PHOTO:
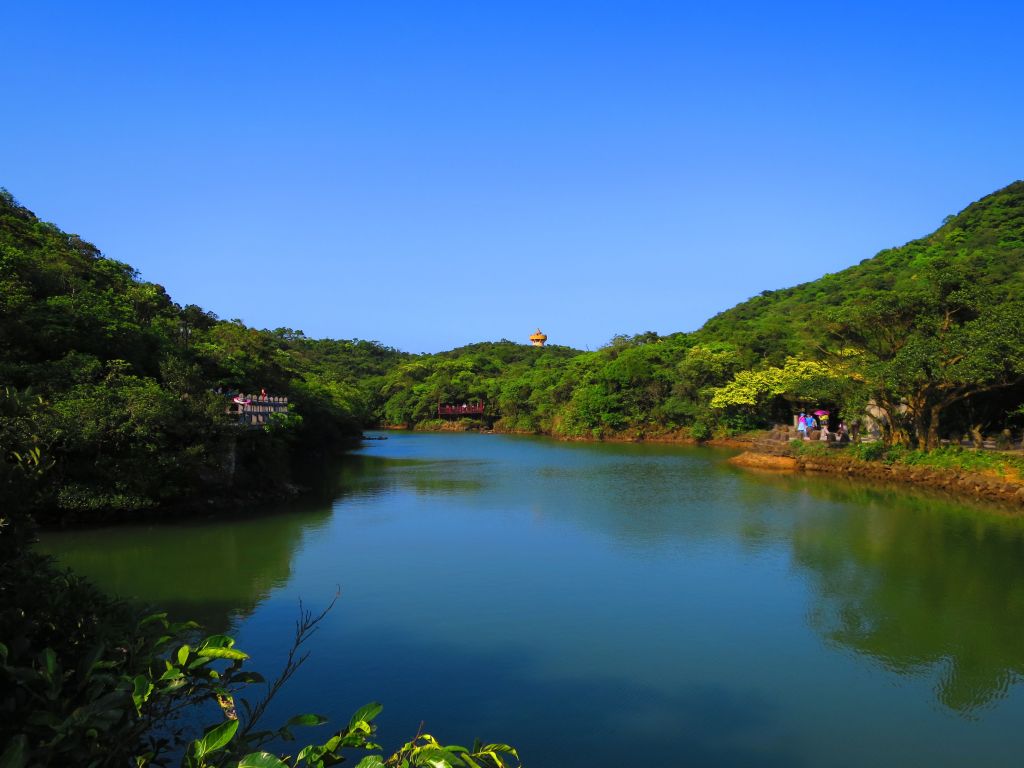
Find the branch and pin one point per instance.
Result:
(952, 361)
(305, 627)
(965, 391)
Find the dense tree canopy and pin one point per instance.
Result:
(929, 333)
(112, 403)
(121, 390)
(116, 385)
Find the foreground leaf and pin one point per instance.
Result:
(366, 713)
(15, 755)
(216, 738)
(261, 760)
(309, 720)
(222, 653)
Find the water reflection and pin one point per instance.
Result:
(368, 475)
(923, 587)
(696, 724)
(601, 597)
(209, 571)
(921, 584)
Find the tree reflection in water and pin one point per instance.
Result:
(922, 585)
(214, 572)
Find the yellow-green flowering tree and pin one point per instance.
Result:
(796, 380)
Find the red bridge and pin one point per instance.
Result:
(473, 409)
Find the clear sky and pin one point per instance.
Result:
(429, 174)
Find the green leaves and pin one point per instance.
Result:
(222, 653)
(365, 714)
(797, 379)
(215, 739)
(142, 687)
(261, 760)
(425, 750)
(307, 720)
(16, 753)
(154, 618)
(220, 647)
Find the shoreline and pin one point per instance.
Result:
(975, 485)
(677, 437)
(966, 484)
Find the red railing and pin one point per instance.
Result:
(466, 409)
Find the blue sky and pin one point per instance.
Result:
(433, 174)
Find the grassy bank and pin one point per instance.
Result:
(1001, 464)
(988, 475)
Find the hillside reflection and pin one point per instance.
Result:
(208, 572)
(921, 585)
(219, 570)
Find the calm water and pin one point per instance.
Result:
(617, 605)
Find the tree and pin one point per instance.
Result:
(796, 380)
(932, 345)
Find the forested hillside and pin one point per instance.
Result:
(111, 395)
(930, 333)
(982, 247)
(113, 405)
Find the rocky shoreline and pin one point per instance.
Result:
(975, 485)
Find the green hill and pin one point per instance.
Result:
(984, 242)
(115, 385)
(111, 393)
(949, 299)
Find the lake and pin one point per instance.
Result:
(614, 605)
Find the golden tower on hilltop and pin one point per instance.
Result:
(538, 338)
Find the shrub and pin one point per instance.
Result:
(867, 451)
(808, 448)
(700, 431)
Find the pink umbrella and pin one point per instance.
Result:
(821, 413)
